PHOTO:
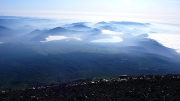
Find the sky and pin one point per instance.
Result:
(159, 10)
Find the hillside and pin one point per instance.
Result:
(124, 88)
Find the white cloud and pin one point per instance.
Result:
(113, 39)
(54, 38)
(108, 32)
(168, 40)
(76, 38)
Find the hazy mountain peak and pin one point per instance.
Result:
(58, 29)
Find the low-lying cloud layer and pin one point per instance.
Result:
(113, 39)
(109, 32)
(168, 40)
(55, 38)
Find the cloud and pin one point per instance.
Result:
(113, 39)
(168, 40)
(77, 38)
(108, 32)
(55, 38)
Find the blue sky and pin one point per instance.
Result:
(93, 9)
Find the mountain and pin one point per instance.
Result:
(129, 23)
(68, 52)
(113, 24)
(4, 31)
(102, 23)
(124, 88)
(33, 36)
(106, 27)
(95, 31)
(80, 26)
(67, 61)
(16, 22)
(154, 47)
(35, 32)
(38, 35)
(57, 30)
(26, 28)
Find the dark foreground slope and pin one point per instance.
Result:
(21, 66)
(132, 88)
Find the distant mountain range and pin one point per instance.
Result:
(33, 51)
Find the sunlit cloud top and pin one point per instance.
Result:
(55, 38)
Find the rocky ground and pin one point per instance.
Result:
(124, 88)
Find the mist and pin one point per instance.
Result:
(56, 50)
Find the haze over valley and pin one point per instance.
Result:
(37, 51)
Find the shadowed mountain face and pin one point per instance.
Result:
(70, 51)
